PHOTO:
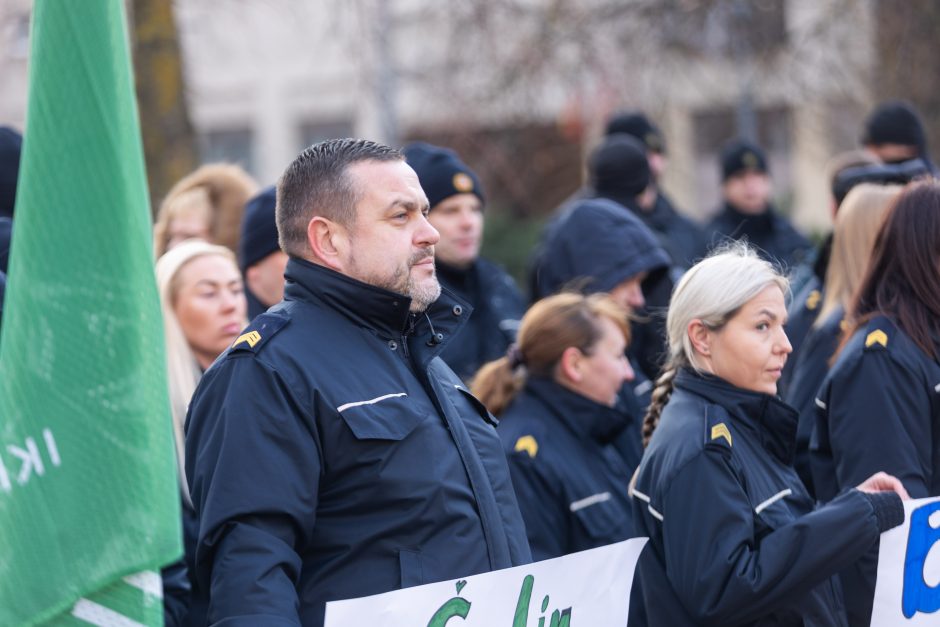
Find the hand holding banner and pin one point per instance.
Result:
(587, 588)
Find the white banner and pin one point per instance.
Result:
(907, 592)
(586, 589)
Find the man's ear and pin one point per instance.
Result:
(329, 242)
(700, 336)
(569, 366)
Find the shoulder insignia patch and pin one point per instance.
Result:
(812, 301)
(259, 331)
(252, 337)
(876, 337)
(528, 444)
(721, 431)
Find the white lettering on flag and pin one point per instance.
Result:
(99, 615)
(4, 478)
(587, 588)
(148, 582)
(907, 591)
(51, 447)
(29, 458)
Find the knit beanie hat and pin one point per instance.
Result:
(441, 173)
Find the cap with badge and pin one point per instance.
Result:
(739, 156)
(637, 125)
(441, 172)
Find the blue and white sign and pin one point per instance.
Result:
(908, 589)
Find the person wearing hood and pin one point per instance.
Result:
(747, 212)
(457, 203)
(598, 246)
(260, 257)
(617, 172)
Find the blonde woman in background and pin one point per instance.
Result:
(856, 224)
(204, 311)
(207, 204)
(203, 303)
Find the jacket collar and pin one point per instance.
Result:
(748, 224)
(384, 312)
(770, 417)
(581, 415)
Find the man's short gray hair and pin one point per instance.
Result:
(317, 183)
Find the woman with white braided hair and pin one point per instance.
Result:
(734, 537)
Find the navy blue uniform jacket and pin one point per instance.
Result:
(331, 454)
(809, 371)
(570, 480)
(774, 237)
(878, 409)
(733, 536)
(497, 308)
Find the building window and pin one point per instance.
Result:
(725, 28)
(313, 132)
(232, 146)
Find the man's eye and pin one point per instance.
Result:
(763, 326)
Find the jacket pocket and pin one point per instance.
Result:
(392, 419)
(601, 517)
(412, 573)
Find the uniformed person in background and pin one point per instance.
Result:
(457, 203)
(857, 224)
(260, 257)
(747, 212)
(894, 133)
(734, 538)
(330, 452)
(682, 237)
(879, 407)
(598, 246)
(556, 394)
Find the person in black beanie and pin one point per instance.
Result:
(456, 199)
(619, 170)
(747, 212)
(260, 257)
(894, 133)
(682, 237)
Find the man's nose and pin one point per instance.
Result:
(426, 235)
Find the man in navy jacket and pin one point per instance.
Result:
(330, 452)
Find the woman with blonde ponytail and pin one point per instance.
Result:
(556, 395)
(734, 538)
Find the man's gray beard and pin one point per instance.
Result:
(422, 296)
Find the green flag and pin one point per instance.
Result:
(89, 500)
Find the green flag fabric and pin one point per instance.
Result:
(89, 497)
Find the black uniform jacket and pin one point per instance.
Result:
(809, 371)
(878, 409)
(497, 308)
(801, 314)
(331, 454)
(570, 480)
(774, 237)
(734, 539)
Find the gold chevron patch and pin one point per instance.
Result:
(721, 431)
(528, 444)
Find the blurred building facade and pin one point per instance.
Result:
(523, 89)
